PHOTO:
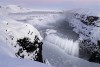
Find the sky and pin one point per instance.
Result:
(55, 4)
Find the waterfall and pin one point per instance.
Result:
(69, 46)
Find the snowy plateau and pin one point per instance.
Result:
(49, 38)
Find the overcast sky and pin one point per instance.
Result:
(55, 4)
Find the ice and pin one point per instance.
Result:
(69, 46)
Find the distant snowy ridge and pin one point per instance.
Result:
(16, 9)
(19, 9)
(84, 11)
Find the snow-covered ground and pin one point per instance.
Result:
(8, 61)
(61, 43)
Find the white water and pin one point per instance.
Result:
(69, 46)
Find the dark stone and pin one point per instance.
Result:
(89, 19)
(30, 47)
(92, 18)
(95, 57)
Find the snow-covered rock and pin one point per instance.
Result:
(13, 34)
(86, 24)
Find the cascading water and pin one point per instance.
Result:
(69, 46)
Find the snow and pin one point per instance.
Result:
(7, 61)
(60, 48)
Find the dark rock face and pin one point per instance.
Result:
(30, 48)
(95, 57)
(90, 51)
(86, 49)
(88, 20)
(92, 18)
